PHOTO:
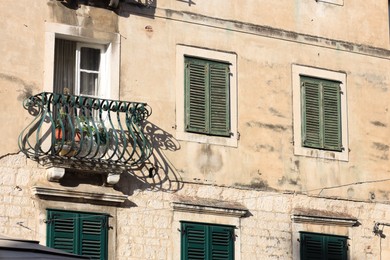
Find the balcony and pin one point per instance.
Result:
(91, 133)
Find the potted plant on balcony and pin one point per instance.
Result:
(92, 137)
(59, 124)
(66, 145)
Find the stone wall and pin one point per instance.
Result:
(146, 227)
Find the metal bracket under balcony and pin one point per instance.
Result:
(72, 131)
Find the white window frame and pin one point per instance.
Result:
(102, 77)
(226, 57)
(109, 42)
(297, 72)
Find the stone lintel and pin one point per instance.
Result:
(322, 217)
(65, 193)
(209, 206)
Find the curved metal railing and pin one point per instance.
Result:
(85, 128)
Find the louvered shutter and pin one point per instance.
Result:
(312, 247)
(336, 248)
(222, 243)
(311, 101)
(207, 97)
(61, 231)
(207, 242)
(323, 247)
(219, 99)
(197, 99)
(93, 236)
(332, 115)
(78, 233)
(321, 114)
(193, 242)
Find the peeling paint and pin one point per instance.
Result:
(379, 124)
(261, 147)
(274, 127)
(279, 33)
(383, 148)
(256, 183)
(380, 146)
(291, 181)
(275, 112)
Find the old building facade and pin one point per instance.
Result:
(197, 129)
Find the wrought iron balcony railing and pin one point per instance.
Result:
(85, 129)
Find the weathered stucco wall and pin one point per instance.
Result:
(264, 156)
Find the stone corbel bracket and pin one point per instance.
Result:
(55, 174)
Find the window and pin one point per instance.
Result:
(321, 126)
(205, 241)
(323, 247)
(320, 113)
(207, 97)
(83, 60)
(78, 233)
(78, 68)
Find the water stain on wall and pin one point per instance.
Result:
(208, 159)
(26, 88)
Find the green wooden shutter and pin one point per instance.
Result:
(222, 243)
(78, 233)
(61, 231)
(193, 242)
(197, 98)
(336, 248)
(93, 236)
(207, 242)
(323, 247)
(207, 97)
(311, 102)
(321, 114)
(332, 115)
(312, 247)
(219, 99)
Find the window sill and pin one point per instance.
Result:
(207, 139)
(324, 154)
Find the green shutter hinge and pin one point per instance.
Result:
(48, 221)
(183, 232)
(232, 235)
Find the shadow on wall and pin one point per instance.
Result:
(123, 8)
(157, 173)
